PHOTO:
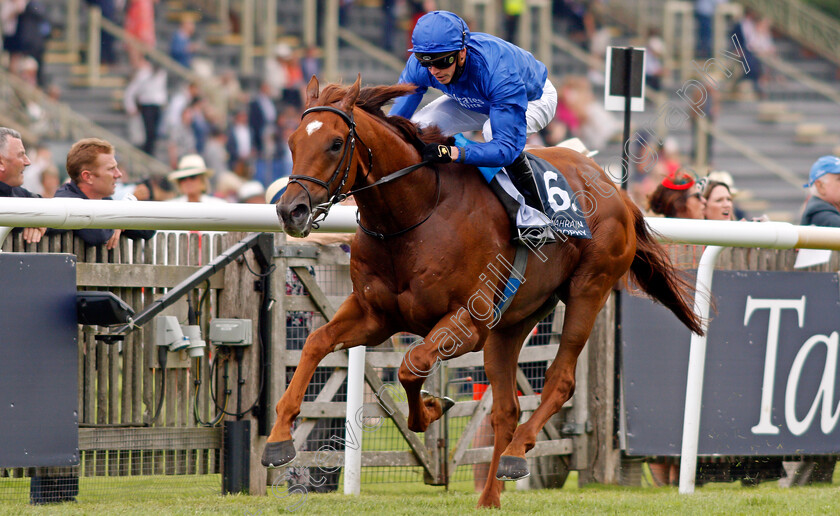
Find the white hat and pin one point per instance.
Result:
(188, 166)
(722, 176)
(250, 189)
(275, 190)
(283, 50)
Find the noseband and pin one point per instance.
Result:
(320, 211)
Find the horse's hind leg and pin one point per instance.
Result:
(581, 310)
(454, 335)
(350, 327)
(501, 353)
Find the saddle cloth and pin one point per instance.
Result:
(561, 210)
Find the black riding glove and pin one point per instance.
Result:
(437, 153)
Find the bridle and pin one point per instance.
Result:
(319, 212)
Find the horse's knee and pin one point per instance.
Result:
(505, 415)
(415, 368)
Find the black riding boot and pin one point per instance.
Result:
(523, 177)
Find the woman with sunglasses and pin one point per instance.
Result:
(488, 84)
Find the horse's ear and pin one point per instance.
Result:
(349, 100)
(312, 91)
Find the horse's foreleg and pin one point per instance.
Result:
(453, 336)
(581, 310)
(501, 353)
(350, 327)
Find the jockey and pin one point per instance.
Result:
(489, 84)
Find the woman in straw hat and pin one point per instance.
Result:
(191, 180)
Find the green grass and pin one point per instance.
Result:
(417, 499)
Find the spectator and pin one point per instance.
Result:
(512, 10)
(106, 41)
(284, 76)
(229, 84)
(182, 46)
(389, 24)
(584, 116)
(182, 138)
(744, 32)
(32, 31)
(718, 201)
(677, 197)
(227, 187)
(32, 179)
(191, 180)
(94, 173)
(704, 13)
(10, 11)
(180, 101)
(823, 206)
(311, 63)
(654, 60)
(215, 152)
(140, 23)
(252, 192)
(262, 117)
(726, 178)
(200, 124)
(145, 96)
(50, 181)
(13, 160)
(240, 145)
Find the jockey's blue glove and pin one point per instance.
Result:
(437, 153)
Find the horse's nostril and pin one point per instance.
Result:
(301, 210)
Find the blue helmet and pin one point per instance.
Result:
(439, 31)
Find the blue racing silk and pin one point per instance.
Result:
(499, 80)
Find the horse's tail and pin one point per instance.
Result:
(654, 273)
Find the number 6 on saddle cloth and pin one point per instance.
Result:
(561, 210)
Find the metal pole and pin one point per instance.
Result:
(224, 16)
(247, 65)
(330, 39)
(628, 74)
(696, 367)
(355, 403)
(94, 39)
(270, 27)
(310, 22)
(72, 28)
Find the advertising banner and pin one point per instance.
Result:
(771, 383)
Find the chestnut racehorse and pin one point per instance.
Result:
(424, 242)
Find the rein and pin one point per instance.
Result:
(320, 211)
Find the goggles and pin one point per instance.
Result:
(440, 62)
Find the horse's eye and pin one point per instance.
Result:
(336, 146)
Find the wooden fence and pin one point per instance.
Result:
(120, 386)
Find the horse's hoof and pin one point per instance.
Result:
(446, 402)
(512, 468)
(277, 454)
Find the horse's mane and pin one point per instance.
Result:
(371, 100)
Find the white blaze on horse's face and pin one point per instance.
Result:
(311, 127)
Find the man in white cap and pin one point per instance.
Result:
(191, 180)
